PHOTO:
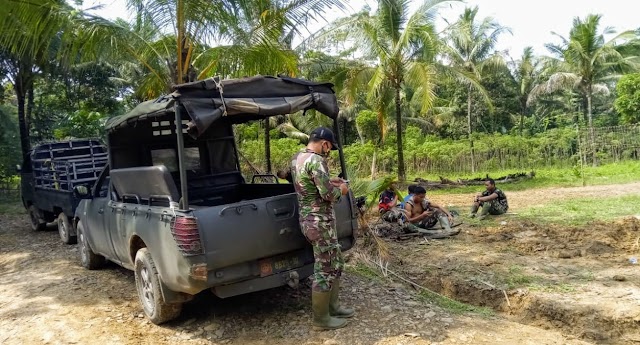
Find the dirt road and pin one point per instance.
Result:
(47, 298)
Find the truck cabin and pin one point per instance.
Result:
(202, 161)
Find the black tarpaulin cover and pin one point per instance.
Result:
(240, 100)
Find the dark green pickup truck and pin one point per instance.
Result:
(173, 205)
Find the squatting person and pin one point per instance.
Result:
(317, 193)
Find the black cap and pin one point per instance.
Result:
(324, 133)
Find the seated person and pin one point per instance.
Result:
(388, 199)
(493, 201)
(285, 175)
(388, 206)
(411, 190)
(423, 214)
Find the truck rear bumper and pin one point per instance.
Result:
(290, 277)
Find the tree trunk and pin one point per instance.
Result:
(30, 105)
(470, 131)
(20, 89)
(591, 131)
(401, 172)
(344, 130)
(359, 130)
(373, 165)
(523, 110)
(267, 145)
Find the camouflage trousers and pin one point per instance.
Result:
(492, 207)
(432, 220)
(329, 262)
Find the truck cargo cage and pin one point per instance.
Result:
(64, 165)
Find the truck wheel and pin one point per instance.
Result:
(64, 229)
(88, 258)
(148, 284)
(37, 221)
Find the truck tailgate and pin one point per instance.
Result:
(255, 229)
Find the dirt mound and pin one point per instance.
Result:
(594, 239)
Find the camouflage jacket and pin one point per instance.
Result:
(502, 198)
(311, 181)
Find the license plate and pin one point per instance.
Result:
(278, 264)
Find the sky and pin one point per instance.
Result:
(531, 22)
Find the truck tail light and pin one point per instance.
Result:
(187, 236)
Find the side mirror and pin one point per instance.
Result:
(18, 168)
(81, 192)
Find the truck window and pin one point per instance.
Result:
(169, 158)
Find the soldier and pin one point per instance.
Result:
(423, 214)
(493, 201)
(317, 193)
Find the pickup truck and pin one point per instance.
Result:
(174, 207)
(48, 175)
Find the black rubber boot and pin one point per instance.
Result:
(334, 306)
(321, 318)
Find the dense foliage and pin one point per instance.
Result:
(66, 71)
(628, 101)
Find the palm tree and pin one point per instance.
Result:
(471, 52)
(28, 31)
(40, 34)
(400, 47)
(525, 73)
(585, 61)
(180, 41)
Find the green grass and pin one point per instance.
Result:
(624, 172)
(364, 271)
(453, 306)
(11, 206)
(583, 210)
(516, 278)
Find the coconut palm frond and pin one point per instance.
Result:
(291, 131)
(557, 81)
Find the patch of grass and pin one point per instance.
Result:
(517, 278)
(364, 271)
(623, 172)
(583, 210)
(454, 306)
(586, 276)
(11, 207)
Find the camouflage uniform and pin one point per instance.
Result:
(495, 206)
(316, 196)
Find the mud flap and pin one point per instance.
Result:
(170, 296)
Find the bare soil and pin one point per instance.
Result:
(543, 196)
(574, 279)
(47, 298)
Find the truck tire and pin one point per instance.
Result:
(148, 285)
(88, 258)
(64, 229)
(37, 221)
